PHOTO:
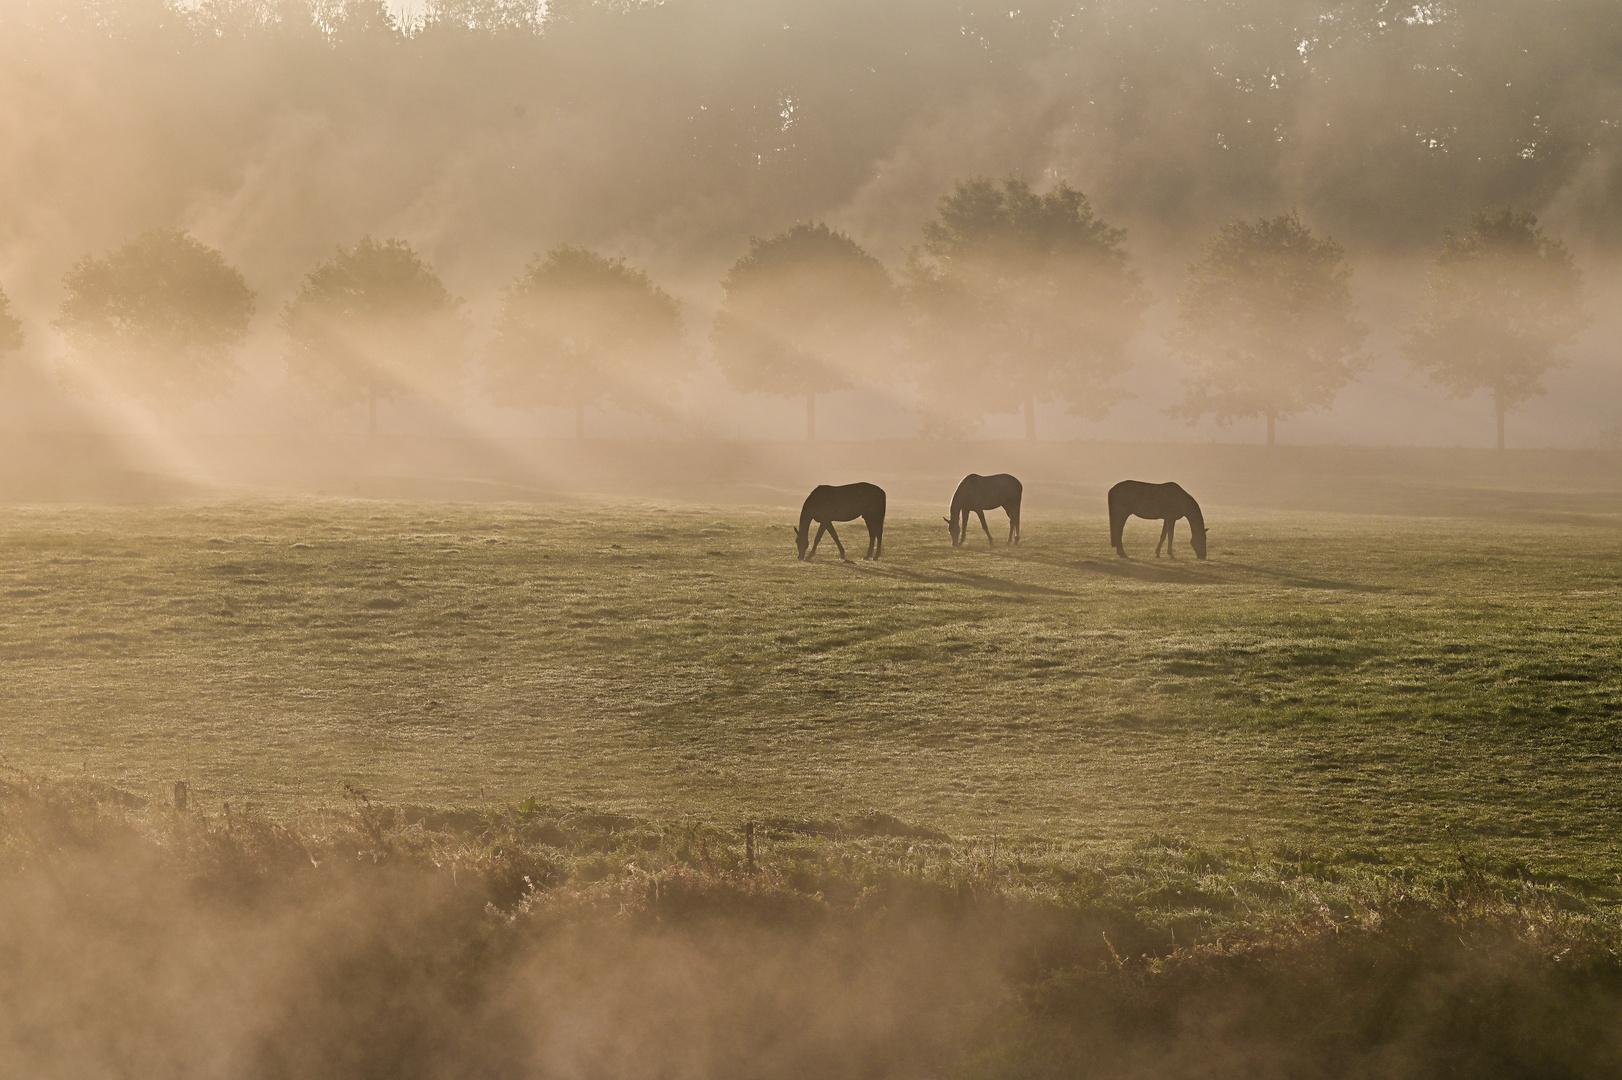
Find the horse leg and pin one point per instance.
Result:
(820, 530)
(981, 514)
(1165, 531)
(837, 544)
(1171, 528)
(1013, 525)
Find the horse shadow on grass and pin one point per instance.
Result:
(1134, 570)
(1308, 581)
(983, 582)
(1182, 573)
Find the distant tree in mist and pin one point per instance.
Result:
(579, 330)
(1501, 301)
(1022, 298)
(802, 312)
(373, 323)
(159, 318)
(1267, 323)
(11, 327)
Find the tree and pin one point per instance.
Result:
(1266, 323)
(800, 311)
(580, 330)
(1502, 299)
(372, 323)
(11, 327)
(158, 318)
(1021, 298)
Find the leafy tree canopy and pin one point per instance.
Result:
(801, 311)
(1021, 297)
(982, 221)
(1267, 323)
(580, 330)
(374, 322)
(1502, 299)
(160, 317)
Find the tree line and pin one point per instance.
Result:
(1015, 297)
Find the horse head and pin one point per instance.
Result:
(802, 538)
(951, 525)
(1196, 536)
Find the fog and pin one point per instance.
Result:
(486, 133)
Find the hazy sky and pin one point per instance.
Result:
(669, 134)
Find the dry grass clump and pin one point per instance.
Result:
(536, 941)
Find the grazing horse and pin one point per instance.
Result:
(847, 502)
(981, 493)
(1165, 502)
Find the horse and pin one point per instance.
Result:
(827, 504)
(1166, 502)
(981, 493)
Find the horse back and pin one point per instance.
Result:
(1146, 500)
(977, 492)
(844, 502)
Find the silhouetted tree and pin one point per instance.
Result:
(1501, 300)
(580, 330)
(1022, 298)
(800, 312)
(1266, 323)
(372, 323)
(158, 318)
(11, 327)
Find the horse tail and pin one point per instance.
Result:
(875, 527)
(1117, 517)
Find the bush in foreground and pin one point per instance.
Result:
(534, 942)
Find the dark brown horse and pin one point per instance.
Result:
(978, 494)
(1163, 502)
(847, 502)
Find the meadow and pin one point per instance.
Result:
(1390, 687)
(612, 785)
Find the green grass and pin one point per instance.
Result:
(1393, 690)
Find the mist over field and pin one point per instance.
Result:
(405, 669)
(485, 134)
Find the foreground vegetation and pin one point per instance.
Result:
(528, 941)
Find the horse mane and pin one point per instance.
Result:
(1196, 519)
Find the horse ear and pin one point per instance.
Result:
(947, 520)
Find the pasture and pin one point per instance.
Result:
(1387, 690)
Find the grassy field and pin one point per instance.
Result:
(1391, 690)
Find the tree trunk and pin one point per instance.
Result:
(580, 421)
(1498, 407)
(371, 413)
(810, 418)
(1030, 418)
(1271, 419)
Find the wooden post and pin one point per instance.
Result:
(181, 792)
(749, 843)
